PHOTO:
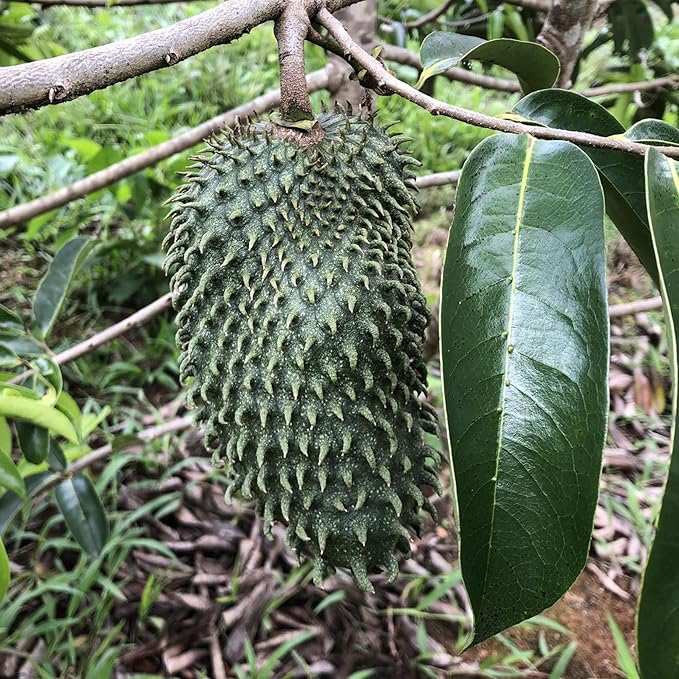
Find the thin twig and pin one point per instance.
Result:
(636, 307)
(437, 179)
(59, 79)
(400, 55)
(431, 16)
(134, 321)
(323, 79)
(387, 81)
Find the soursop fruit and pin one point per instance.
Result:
(300, 323)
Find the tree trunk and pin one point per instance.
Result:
(360, 20)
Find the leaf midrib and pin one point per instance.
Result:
(510, 316)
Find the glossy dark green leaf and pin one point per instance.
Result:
(49, 373)
(83, 512)
(22, 345)
(535, 66)
(524, 354)
(4, 570)
(34, 441)
(622, 174)
(10, 479)
(658, 621)
(652, 131)
(54, 286)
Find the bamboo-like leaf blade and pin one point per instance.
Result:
(524, 351)
(535, 66)
(83, 512)
(658, 616)
(54, 286)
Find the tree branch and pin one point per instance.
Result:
(636, 307)
(538, 5)
(290, 30)
(563, 32)
(326, 78)
(99, 3)
(400, 55)
(431, 16)
(386, 80)
(63, 78)
(134, 321)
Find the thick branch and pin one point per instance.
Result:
(66, 77)
(636, 307)
(99, 3)
(563, 32)
(291, 29)
(326, 78)
(387, 81)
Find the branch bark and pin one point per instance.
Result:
(563, 32)
(326, 78)
(63, 78)
(99, 3)
(387, 81)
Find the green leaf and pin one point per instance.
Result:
(4, 570)
(658, 617)
(5, 438)
(34, 441)
(535, 66)
(67, 405)
(10, 477)
(652, 131)
(11, 503)
(10, 319)
(524, 354)
(622, 174)
(56, 458)
(83, 512)
(54, 286)
(49, 372)
(37, 413)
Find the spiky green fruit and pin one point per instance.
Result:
(301, 324)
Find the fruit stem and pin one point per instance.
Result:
(291, 30)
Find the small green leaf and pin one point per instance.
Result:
(35, 412)
(10, 477)
(658, 616)
(5, 438)
(11, 503)
(54, 286)
(652, 131)
(34, 441)
(67, 405)
(535, 66)
(83, 512)
(8, 358)
(632, 26)
(56, 458)
(4, 570)
(49, 373)
(524, 361)
(10, 319)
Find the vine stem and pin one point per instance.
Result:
(386, 81)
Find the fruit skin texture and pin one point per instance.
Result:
(301, 324)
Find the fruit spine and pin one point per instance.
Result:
(300, 323)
